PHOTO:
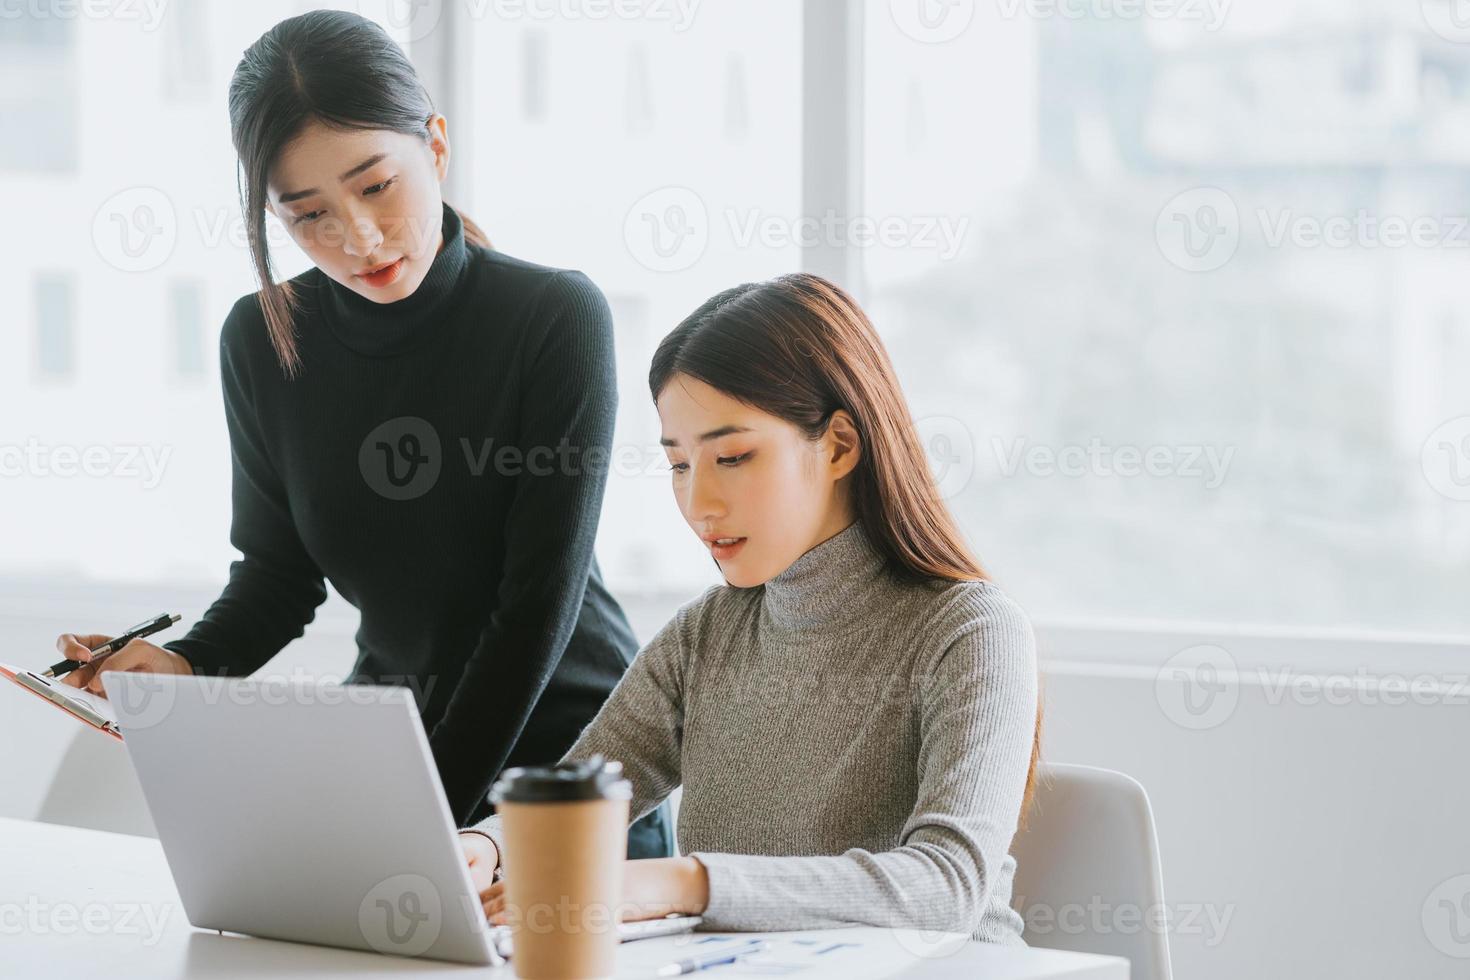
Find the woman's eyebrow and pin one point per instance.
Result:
(297, 195)
(723, 430)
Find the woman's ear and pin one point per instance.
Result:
(843, 446)
(439, 143)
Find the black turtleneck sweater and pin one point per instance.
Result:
(441, 460)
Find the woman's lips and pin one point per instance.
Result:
(724, 552)
(384, 276)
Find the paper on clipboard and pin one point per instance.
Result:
(84, 705)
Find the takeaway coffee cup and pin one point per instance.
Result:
(566, 837)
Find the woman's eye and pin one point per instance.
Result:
(308, 216)
(678, 467)
(378, 188)
(732, 460)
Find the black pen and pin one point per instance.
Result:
(116, 643)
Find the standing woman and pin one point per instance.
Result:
(419, 419)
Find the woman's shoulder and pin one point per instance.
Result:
(977, 614)
(243, 334)
(544, 287)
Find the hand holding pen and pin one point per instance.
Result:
(88, 654)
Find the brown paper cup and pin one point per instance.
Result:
(563, 865)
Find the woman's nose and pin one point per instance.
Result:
(705, 501)
(363, 237)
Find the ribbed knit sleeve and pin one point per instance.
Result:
(569, 397)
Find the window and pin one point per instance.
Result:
(1182, 290)
(133, 250)
(1174, 294)
(642, 151)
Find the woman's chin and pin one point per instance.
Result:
(739, 575)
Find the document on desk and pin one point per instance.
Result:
(856, 953)
(83, 705)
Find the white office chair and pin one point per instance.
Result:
(1088, 858)
(95, 787)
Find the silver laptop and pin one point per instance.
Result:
(304, 812)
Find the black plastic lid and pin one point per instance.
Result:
(592, 779)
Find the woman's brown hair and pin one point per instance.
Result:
(799, 347)
(329, 66)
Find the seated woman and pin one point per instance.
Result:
(853, 716)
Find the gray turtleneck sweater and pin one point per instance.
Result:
(853, 749)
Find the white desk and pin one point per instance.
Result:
(90, 904)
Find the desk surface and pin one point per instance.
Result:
(79, 902)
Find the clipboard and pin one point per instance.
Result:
(84, 705)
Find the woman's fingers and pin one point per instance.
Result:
(131, 657)
(492, 900)
(78, 647)
(79, 676)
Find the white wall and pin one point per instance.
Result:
(1320, 829)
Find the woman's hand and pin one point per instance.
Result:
(656, 887)
(139, 655)
(652, 889)
(483, 857)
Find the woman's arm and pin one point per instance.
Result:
(569, 402)
(275, 588)
(641, 724)
(977, 716)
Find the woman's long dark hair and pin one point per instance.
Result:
(329, 66)
(799, 347)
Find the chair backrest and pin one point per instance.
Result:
(1087, 869)
(95, 787)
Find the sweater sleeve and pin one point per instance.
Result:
(977, 711)
(568, 407)
(641, 725)
(275, 587)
